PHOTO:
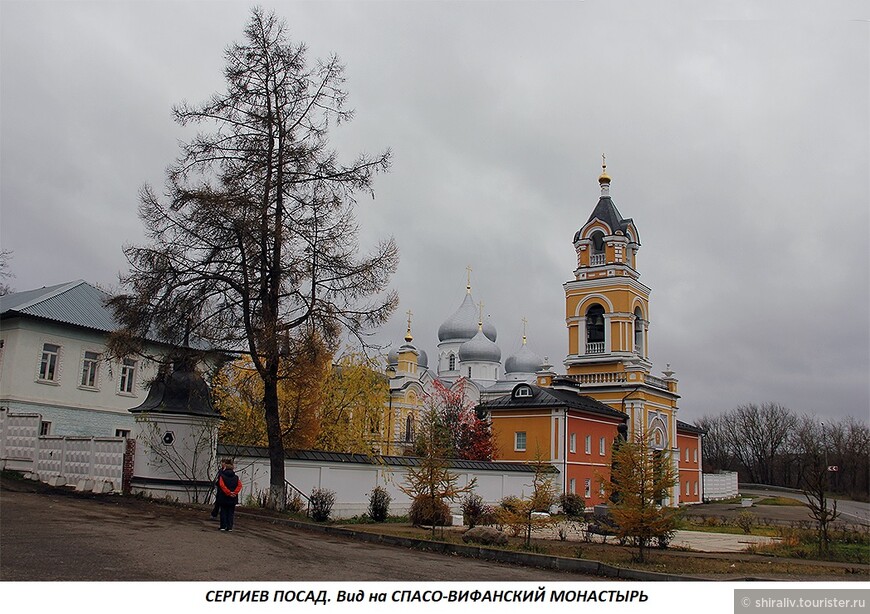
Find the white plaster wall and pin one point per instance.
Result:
(352, 483)
(19, 389)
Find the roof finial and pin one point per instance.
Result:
(480, 321)
(524, 330)
(408, 337)
(604, 178)
(468, 283)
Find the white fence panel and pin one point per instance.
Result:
(721, 485)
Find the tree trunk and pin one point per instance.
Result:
(277, 487)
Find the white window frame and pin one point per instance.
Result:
(44, 428)
(695, 455)
(601, 491)
(687, 488)
(127, 377)
(572, 486)
(602, 446)
(90, 377)
(588, 444)
(573, 447)
(49, 366)
(517, 447)
(125, 433)
(687, 455)
(587, 487)
(696, 487)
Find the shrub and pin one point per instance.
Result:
(473, 508)
(295, 504)
(426, 510)
(379, 504)
(511, 504)
(745, 520)
(489, 516)
(322, 501)
(572, 505)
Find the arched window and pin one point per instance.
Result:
(597, 257)
(638, 331)
(409, 429)
(595, 329)
(451, 362)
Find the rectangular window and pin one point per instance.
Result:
(90, 362)
(601, 489)
(48, 363)
(587, 488)
(573, 442)
(687, 455)
(695, 454)
(125, 433)
(588, 444)
(128, 375)
(602, 446)
(44, 429)
(572, 486)
(696, 487)
(687, 487)
(520, 441)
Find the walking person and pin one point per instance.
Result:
(229, 487)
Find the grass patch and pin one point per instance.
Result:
(762, 531)
(786, 501)
(662, 561)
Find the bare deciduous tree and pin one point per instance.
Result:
(5, 273)
(256, 235)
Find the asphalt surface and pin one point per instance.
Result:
(51, 536)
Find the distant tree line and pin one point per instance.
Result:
(769, 444)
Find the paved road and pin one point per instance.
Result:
(851, 511)
(52, 536)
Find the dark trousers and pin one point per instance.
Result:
(228, 515)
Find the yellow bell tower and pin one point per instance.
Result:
(607, 315)
(607, 308)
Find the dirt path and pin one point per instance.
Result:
(57, 536)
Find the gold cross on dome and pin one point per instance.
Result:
(408, 337)
(480, 305)
(524, 330)
(468, 273)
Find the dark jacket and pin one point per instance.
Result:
(229, 486)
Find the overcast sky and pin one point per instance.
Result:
(736, 135)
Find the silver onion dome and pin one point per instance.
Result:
(463, 324)
(524, 361)
(479, 348)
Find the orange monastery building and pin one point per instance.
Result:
(572, 420)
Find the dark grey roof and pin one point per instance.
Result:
(365, 459)
(77, 303)
(182, 392)
(690, 428)
(607, 212)
(553, 397)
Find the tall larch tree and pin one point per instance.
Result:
(255, 236)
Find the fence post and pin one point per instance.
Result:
(127, 470)
(91, 457)
(34, 473)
